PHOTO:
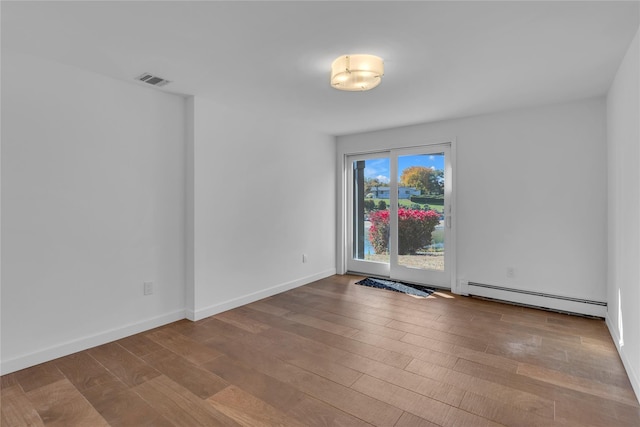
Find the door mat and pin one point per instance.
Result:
(407, 288)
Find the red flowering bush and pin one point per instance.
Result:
(414, 230)
(379, 231)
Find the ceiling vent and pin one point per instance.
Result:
(152, 80)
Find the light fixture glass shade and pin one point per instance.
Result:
(357, 72)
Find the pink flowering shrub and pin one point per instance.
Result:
(414, 230)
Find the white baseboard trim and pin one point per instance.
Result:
(84, 343)
(255, 296)
(634, 379)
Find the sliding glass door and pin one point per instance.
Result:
(400, 214)
(369, 195)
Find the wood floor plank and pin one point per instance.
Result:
(83, 370)
(266, 306)
(593, 364)
(100, 395)
(332, 353)
(429, 333)
(434, 389)
(445, 345)
(331, 305)
(128, 368)
(409, 420)
(540, 406)
(248, 410)
(314, 413)
(353, 346)
(139, 345)
(321, 324)
(316, 363)
(179, 405)
(280, 395)
(61, 404)
(126, 408)
(16, 409)
(8, 380)
(268, 389)
(487, 359)
(576, 410)
(582, 408)
(622, 395)
(210, 328)
(334, 394)
(482, 328)
(302, 357)
(460, 418)
(442, 354)
(197, 380)
(235, 318)
(415, 403)
(502, 413)
(191, 350)
(358, 322)
(38, 376)
(368, 300)
(391, 311)
(526, 350)
(604, 343)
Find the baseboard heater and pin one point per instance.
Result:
(560, 303)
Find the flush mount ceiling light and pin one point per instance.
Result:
(357, 72)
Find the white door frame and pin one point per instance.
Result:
(354, 265)
(343, 242)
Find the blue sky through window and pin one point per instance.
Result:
(379, 168)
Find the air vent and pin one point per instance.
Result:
(152, 80)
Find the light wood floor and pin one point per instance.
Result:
(335, 354)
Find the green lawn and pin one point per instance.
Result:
(406, 203)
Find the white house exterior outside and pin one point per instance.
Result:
(383, 192)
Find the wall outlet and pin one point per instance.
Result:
(511, 272)
(304, 258)
(148, 288)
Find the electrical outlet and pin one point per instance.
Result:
(148, 288)
(304, 258)
(511, 272)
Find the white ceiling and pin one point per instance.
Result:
(442, 59)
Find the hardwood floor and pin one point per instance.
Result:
(335, 354)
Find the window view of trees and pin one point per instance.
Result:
(371, 183)
(429, 181)
(420, 194)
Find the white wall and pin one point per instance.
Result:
(531, 194)
(623, 284)
(263, 194)
(106, 185)
(92, 206)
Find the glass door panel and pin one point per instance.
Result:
(421, 242)
(370, 192)
(400, 214)
(421, 215)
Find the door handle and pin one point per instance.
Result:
(447, 221)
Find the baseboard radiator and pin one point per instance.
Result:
(559, 303)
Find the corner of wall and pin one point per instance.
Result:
(634, 378)
(189, 207)
(83, 343)
(255, 296)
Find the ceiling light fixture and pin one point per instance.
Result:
(357, 72)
